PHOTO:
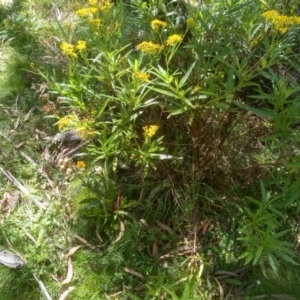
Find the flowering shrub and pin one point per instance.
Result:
(207, 83)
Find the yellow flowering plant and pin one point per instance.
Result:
(175, 86)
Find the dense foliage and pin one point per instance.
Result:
(159, 136)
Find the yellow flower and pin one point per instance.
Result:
(93, 2)
(32, 65)
(149, 47)
(174, 39)
(87, 12)
(141, 75)
(296, 20)
(190, 22)
(280, 22)
(95, 23)
(68, 49)
(156, 24)
(80, 164)
(270, 15)
(66, 121)
(81, 45)
(149, 131)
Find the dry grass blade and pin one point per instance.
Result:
(70, 272)
(168, 255)
(132, 272)
(99, 236)
(220, 287)
(205, 228)
(140, 287)
(42, 287)
(164, 227)
(154, 249)
(113, 295)
(122, 230)
(191, 250)
(85, 242)
(29, 235)
(65, 294)
(210, 228)
(72, 251)
(201, 225)
(144, 223)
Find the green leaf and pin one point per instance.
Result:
(186, 76)
(279, 234)
(264, 113)
(258, 254)
(171, 293)
(272, 261)
(233, 281)
(263, 191)
(289, 259)
(164, 92)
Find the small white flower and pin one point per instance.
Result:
(258, 282)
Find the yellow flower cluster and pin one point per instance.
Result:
(149, 131)
(81, 45)
(157, 24)
(149, 47)
(174, 39)
(69, 49)
(280, 22)
(66, 121)
(89, 12)
(141, 76)
(80, 164)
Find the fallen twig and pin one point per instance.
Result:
(42, 287)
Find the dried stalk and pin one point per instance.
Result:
(42, 287)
